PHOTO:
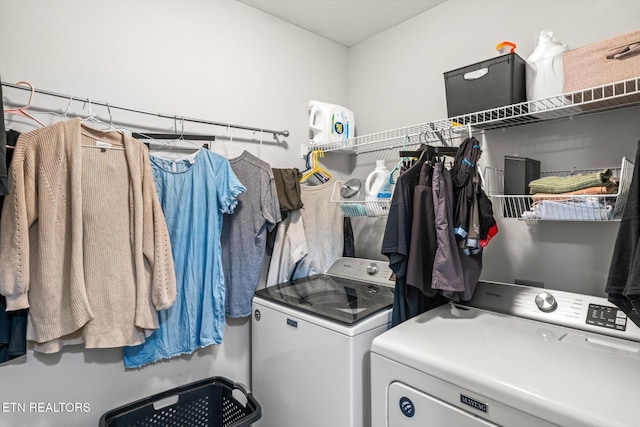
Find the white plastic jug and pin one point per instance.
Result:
(377, 186)
(544, 71)
(330, 122)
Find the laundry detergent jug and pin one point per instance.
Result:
(329, 123)
(544, 70)
(377, 186)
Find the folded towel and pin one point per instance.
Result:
(565, 184)
(587, 209)
(604, 189)
(353, 209)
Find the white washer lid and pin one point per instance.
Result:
(563, 375)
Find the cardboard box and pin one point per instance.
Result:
(485, 85)
(604, 62)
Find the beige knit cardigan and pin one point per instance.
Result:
(83, 241)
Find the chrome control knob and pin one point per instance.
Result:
(372, 268)
(546, 302)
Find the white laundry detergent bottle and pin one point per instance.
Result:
(544, 70)
(330, 123)
(377, 186)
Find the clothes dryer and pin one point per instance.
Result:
(310, 345)
(513, 356)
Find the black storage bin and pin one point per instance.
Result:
(488, 84)
(205, 403)
(518, 173)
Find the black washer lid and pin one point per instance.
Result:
(344, 300)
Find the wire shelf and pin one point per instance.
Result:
(560, 207)
(355, 206)
(451, 131)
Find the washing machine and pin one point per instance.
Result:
(513, 356)
(310, 343)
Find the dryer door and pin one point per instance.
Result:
(409, 407)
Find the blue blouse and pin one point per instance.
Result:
(194, 193)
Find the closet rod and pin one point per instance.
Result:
(284, 133)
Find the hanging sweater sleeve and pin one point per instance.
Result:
(18, 215)
(156, 243)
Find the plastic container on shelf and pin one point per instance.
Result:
(485, 85)
(377, 186)
(544, 68)
(330, 123)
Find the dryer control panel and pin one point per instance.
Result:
(584, 312)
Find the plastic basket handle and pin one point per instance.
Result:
(474, 75)
(243, 388)
(252, 403)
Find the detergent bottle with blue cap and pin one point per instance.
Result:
(377, 186)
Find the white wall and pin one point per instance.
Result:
(215, 60)
(223, 61)
(396, 79)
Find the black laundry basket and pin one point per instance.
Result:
(206, 403)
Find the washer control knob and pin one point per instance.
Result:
(546, 302)
(372, 268)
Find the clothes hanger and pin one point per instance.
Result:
(312, 162)
(166, 148)
(316, 167)
(269, 152)
(160, 138)
(22, 111)
(103, 146)
(402, 161)
(93, 118)
(65, 114)
(320, 169)
(307, 162)
(221, 147)
(319, 172)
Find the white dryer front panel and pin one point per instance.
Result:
(411, 408)
(459, 406)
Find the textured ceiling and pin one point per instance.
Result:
(347, 22)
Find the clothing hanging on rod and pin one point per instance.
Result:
(194, 193)
(106, 293)
(13, 324)
(432, 264)
(408, 300)
(275, 133)
(243, 253)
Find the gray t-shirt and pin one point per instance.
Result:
(323, 229)
(244, 233)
